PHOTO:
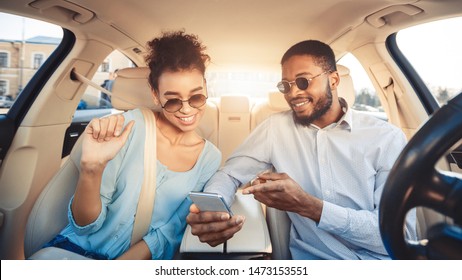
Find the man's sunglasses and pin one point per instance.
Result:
(301, 82)
(174, 105)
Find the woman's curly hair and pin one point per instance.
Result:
(174, 51)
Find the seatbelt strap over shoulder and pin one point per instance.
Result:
(145, 206)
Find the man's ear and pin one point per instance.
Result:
(334, 80)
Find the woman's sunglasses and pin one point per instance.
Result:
(174, 105)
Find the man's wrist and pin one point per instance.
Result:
(311, 208)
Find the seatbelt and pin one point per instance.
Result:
(145, 206)
(81, 78)
(392, 103)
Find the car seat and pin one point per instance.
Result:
(49, 214)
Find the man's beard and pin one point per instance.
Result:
(320, 108)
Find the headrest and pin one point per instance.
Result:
(277, 102)
(234, 104)
(131, 89)
(345, 88)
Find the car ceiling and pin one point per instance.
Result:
(237, 32)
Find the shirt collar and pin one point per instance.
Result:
(346, 121)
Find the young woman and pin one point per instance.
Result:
(102, 210)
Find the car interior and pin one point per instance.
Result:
(38, 171)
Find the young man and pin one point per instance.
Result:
(330, 163)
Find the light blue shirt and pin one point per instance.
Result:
(345, 164)
(110, 233)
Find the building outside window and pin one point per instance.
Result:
(4, 59)
(3, 87)
(105, 66)
(38, 59)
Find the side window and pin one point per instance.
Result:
(93, 99)
(367, 99)
(24, 46)
(435, 55)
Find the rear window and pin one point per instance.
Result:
(93, 99)
(235, 82)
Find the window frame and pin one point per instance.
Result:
(10, 122)
(427, 99)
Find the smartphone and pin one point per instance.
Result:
(207, 201)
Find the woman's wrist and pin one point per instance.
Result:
(92, 167)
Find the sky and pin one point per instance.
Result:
(439, 67)
(32, 28)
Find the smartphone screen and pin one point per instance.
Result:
(206, 201)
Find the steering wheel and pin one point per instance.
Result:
(414, 181)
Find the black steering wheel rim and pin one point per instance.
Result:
(414, 181)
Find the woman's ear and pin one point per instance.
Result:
(155, 97)
(205, 88)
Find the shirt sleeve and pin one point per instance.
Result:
(108, 184)
(361, 227)
(86, 229)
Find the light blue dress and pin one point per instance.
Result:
(110, 233)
